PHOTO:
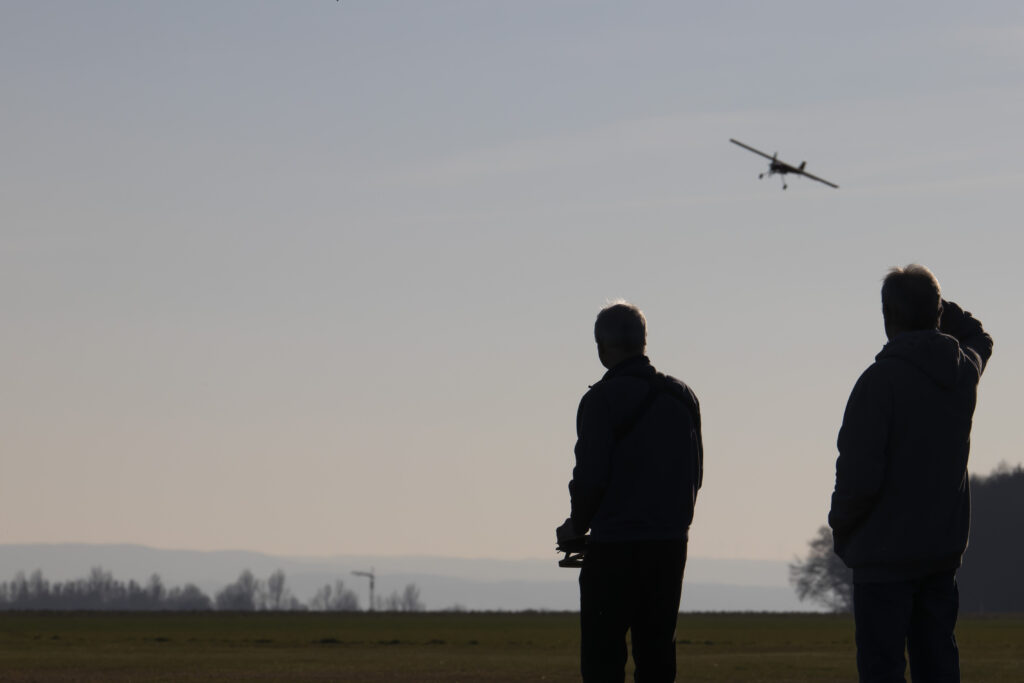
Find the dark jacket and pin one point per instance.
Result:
(639, 457)
(901, 508)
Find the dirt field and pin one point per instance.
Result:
(442, 647)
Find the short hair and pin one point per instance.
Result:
(621, 325)
(911, 298)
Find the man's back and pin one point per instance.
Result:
(638, 456)
(902, 504)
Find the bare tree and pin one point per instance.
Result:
(241, 596)
(389, 603)
(335, 599)
(276, 596)
(822, 577)
(411, 599)
(155, 590)
(188, 598)
(408, 601)
(248, 594)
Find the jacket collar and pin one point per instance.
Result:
(635, 366)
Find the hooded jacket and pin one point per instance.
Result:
(901, 508)
(639, 456)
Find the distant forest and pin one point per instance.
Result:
(101, 591)
(990, 578)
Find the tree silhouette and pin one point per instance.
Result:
(990, 578)
(188, 598)
(101, 591)
(240, 596)
(334, 599)
(98, 591)
(411, 599)
(277, 596)
(822, 577)
(407, 601)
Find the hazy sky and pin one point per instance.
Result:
(320, 277)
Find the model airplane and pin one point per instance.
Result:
(781, 167)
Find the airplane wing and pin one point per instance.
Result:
(748, 147)
(814, 177)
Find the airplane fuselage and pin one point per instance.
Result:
(783, 168)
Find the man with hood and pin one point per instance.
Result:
(901, 507)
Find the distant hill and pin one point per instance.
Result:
(475, 584)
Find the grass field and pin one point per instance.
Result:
(423, 647)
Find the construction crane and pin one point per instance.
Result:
(371, 576)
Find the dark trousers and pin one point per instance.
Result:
(918, 616)
(635, 587)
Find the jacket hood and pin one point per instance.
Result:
(936, 354)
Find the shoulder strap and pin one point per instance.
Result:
(657, 385)
(654, 390)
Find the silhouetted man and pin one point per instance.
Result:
(901, 506)
(639, 465)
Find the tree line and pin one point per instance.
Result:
(989, 580)
(101, 591)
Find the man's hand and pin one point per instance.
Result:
(567, 532)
